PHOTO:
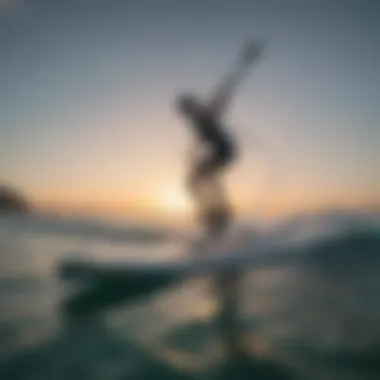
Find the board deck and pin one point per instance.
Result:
(109, 284)
(258, 254)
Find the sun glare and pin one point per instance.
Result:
(175, 200)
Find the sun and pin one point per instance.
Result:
(176, 200)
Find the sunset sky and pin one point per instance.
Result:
(87, 87)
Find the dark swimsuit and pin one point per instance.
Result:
(222, 147)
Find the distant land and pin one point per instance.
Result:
(12, 201)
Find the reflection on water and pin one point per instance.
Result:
(317, 319)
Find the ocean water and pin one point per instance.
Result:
(315, 318)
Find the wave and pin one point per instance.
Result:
(46, 224)
(340, 229)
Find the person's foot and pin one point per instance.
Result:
(238, 348)
(236, 351)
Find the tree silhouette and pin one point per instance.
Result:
(12, 201)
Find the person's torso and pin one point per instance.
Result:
(211, 131)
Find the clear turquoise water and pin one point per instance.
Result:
(315, 319)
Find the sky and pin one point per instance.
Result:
(87, 120)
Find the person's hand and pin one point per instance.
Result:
(252, 51)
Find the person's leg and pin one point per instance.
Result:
(227, 286)
(216, 216)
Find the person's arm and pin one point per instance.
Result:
(223, 93)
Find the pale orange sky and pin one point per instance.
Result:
(87, 119)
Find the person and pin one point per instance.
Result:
(220, 149)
